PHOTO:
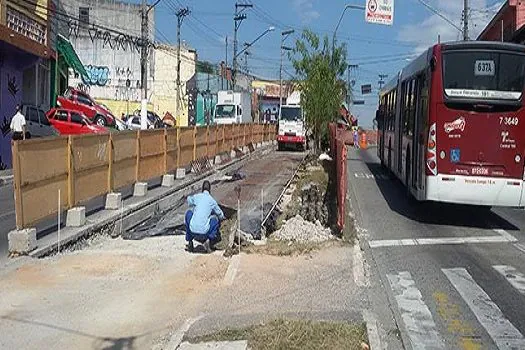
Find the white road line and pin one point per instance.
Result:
(502, 332)
(513, 276)
(505, 234)
(444, 240)
(9, 213)
(520, 246)
(416, 316)
(233, 267)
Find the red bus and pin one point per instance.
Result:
(452, 124)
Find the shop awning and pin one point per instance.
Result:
(65, 49)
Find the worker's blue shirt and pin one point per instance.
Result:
(203, 206)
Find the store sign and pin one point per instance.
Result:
(380, 11)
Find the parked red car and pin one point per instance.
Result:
(70, 122)
(79, 101)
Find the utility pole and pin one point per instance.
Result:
(225, 72)
(181, 13)
(382, 80)
(237, 19)
(466, 10)
(144, 50)
(284, 35)
(349, 88)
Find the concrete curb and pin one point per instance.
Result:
(134, 214)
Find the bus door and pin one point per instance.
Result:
(418, 143)
(399, 131)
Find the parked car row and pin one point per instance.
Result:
(78, 113)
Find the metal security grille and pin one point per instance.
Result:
(26, 26)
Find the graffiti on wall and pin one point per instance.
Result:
(97, 75)
(12, 85)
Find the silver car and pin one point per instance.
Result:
(37, 124)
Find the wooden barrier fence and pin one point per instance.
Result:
(83, 167)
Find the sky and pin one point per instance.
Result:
(376, 49)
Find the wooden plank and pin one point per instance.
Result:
(40, 199)
(137, 165)
(124, 172)
(17, 176)
(36, 157)
(200, 142)
(165, 155)
(178, 147)
(70, 173)
(194, 142)
(186, 146)
(110, 163)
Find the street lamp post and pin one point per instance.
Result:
(284, 35)
(247, 46)
(348, 6)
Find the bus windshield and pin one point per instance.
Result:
(291, 114)
(225, 111)
(483, 75)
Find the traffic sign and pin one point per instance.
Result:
(380, 11)
(366, 89)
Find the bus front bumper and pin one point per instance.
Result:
(475, 190)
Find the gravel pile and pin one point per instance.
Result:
(298, 229)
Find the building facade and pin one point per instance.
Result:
(506, 23)
(26, 53)
(111, 56)
(165, 96)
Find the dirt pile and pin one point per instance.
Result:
(297, 229)
(313, 205)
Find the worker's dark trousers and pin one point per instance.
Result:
(213, 233)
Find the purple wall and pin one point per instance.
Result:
(12, 64)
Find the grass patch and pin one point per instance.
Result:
(288, 248)
(295, 334)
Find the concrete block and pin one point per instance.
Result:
(22, 241)
(259, 145)
(218, 160)
(140, 189)
(245, 150)
(168, 180)
(180, 173)
(113, 201)
(232, 154)
(76, 217)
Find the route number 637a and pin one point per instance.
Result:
(509, 121)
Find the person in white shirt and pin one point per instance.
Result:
(18, 125)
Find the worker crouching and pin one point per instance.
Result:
(203, 219)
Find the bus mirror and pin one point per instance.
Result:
(433, 64)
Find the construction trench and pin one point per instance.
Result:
(261, 182)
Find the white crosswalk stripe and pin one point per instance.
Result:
(513, 276)
(499, 328)
(416, 316)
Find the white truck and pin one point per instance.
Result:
(291, 124)
(233, 107)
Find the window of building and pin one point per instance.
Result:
(32, 115)
(83, 15)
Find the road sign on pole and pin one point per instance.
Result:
(366, 89)
(380, 11)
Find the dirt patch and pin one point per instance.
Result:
(203, 273)
(295, 334)
(289, 248)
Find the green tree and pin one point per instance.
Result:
(319, 67)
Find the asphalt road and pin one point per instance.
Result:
(454, 275)
(7, 217)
